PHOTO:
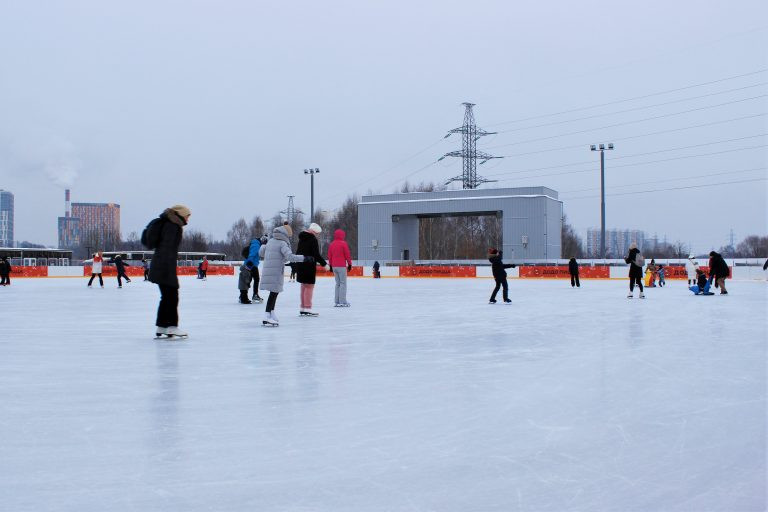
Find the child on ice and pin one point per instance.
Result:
(499, 275)
(702, 284)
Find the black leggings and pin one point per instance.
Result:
(4, 279)
(168, 310)
(101, 281)
(501, 283)
(633, 280)
(123, 276)
(255, 276)
(575, 280)
(271, 302)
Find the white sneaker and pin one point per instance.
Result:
(175, 331)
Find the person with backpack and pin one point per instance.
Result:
(96, 268)
(164, 235)
(249, 271)
(340, 260)
(636, 261)
(117, 261)
(275, 254)
(5, 272)
(573, 270)
(306, 272)
(718, 271)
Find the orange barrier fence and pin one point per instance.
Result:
(561, 272)
(428, 271)
(29, 272)
(355, 272)
(132, 271)
(679, 272)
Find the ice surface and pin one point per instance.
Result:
(420, 397)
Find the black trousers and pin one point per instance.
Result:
(501, 283)
(575, 280)
(146, 274)
(101, 281)
(256, 279)
(168, 311)
(271, 300)
(633, 280)
(5, 279)
(123, 276)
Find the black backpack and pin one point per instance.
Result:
(245, 252)
(150, 237)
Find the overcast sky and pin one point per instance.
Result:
(221, 105)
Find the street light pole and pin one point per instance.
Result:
(602, 148)
(312, 173)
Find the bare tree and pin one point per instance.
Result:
(753, 247)
(570, 242)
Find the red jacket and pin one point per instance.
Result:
(338, 251)
(204, 265)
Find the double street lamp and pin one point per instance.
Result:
(602, 149)
(312, 173)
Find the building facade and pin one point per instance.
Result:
(617, 242)
(531, 219)
(6, 219)
(97, 225)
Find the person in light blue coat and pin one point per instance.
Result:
(275, 254)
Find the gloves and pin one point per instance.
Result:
(349, 268)
(309, 259)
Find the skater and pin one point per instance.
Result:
(718, 271)
(660, 272)
(5, 272)
(276, 253)
(168, 233)
(573, 269)
(120, 265)
(204, 268)
(96, 268)
(636, 261)
(701, 287)
(200, 270)
(145, 266)
(691, 266)
(499, 275)
(340, 262)
(376, 272)
(651, 271)
(306, 272)
(765, 265)
(249, 271)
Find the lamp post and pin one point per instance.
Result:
(312, 173)
(602, 149)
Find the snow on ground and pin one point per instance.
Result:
(420, 397)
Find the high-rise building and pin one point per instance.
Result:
(98, 225)
(69, 226)
(6, 219)
(617, 242)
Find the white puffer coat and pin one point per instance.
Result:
(275, 254)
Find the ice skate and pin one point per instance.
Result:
(642, 295)
(174, 332)
(507, 301)
(270, 320)
(492, 301)
(160, 331)
(257, 299)
(631, 295)
(307, 312)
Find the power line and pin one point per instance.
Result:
(632, 109)
(672, 188)
(634, 164)
(631, 156)
(581, 145)
(630, 122)
(632, 99)
(719, 173)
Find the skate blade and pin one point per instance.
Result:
(268, 324)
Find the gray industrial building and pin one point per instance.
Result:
(388, 224)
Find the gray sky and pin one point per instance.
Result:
(221, 105)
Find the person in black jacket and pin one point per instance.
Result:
(163, 269)
(377, 272)
(5, 272)
(499, 275)
(636, 261)
(120, 265)
(306, 272)
(573, 269)
(718, 271)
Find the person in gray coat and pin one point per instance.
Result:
(275, 254)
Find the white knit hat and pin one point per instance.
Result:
(315, 228)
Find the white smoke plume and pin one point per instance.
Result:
(63, 165)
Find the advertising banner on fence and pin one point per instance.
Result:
(136, 271)
(355, 272)
(561, 272)
(436, 271)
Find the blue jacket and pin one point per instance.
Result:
(253, 253)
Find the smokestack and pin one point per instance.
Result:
(67, 203)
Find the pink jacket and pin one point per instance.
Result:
(338, 251)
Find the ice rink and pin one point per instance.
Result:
(420, 397)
